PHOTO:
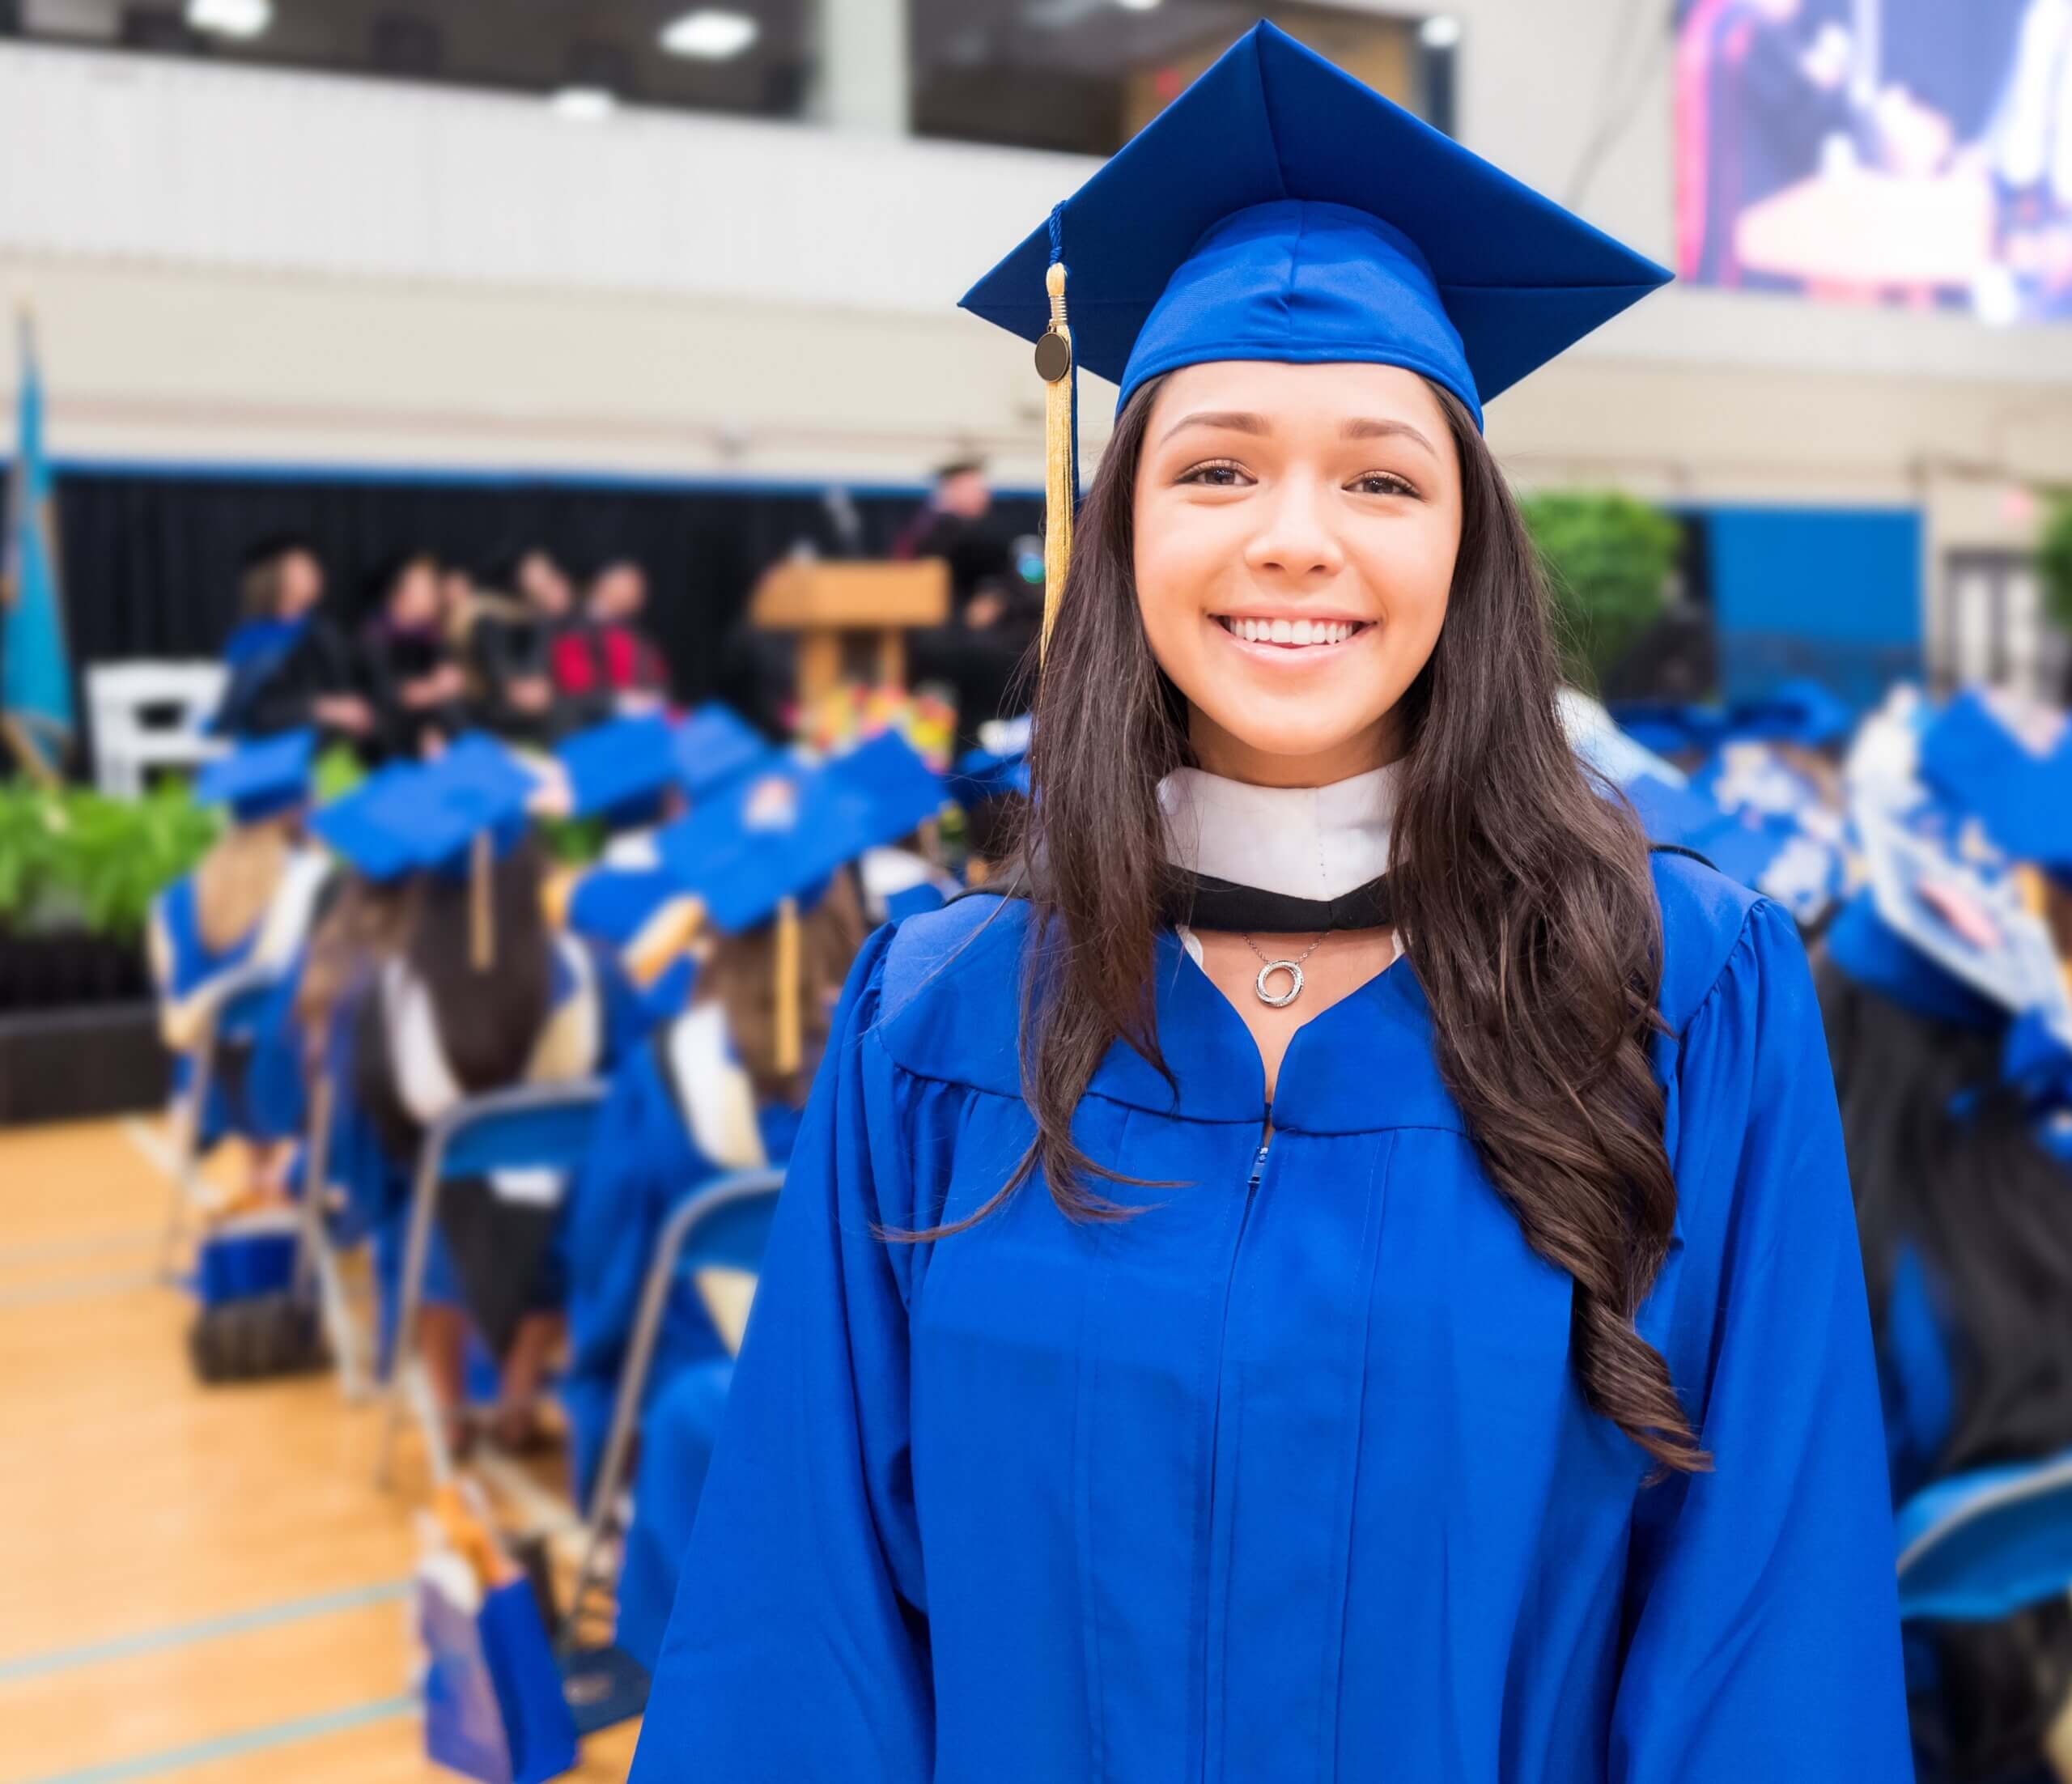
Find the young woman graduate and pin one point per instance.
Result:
(1353, 1275)
(718, 1090)
(248, 904)
(476, 994)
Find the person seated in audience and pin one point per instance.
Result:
(1965, 1218)
(509, 635)
(289, 667)
(774, 861)
(247, 906)
(477, 995)
(606, 663)
(418, 690)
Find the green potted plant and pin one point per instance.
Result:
(1608, 558)
(2054, 566)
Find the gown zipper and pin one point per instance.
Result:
(1223, 1337)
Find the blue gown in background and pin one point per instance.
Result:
(617, 1209)
(1290, 1481)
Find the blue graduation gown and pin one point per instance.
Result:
(1295, 1481)
(617, 1209)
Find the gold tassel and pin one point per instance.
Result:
(785, 1045)
(1054, 366)
(482, 914)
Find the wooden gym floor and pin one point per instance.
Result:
(195, 1584)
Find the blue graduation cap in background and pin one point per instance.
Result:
(981, 774)
(1980, 1546)
(715, 747)
(371, 826)
(256, 780)
(619, 769)
(884, 790)
(1281, 210)
(1976, 930)
(2017, 782)
(1800, 711)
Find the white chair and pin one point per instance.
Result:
(130, 739)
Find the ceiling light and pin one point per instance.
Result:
(1138, 6)
(584, 105)
(231, 18)
(709, 34)
(1441, 30)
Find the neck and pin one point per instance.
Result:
(1229, 757)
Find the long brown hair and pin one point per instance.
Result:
(1523, 897)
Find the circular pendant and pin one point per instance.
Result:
(1282, 999)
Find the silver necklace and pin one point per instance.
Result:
(1293, 968)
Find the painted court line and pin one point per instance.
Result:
(249, 1740)
(180, 1635)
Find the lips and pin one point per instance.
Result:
(1291, 634)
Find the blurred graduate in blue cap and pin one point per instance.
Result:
(1950, 1027)
(248, 905)
(776, 862)
(474, 993)
(1343, 1264)
(634, 775)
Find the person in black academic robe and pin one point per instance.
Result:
(416, 685)
(290, 665)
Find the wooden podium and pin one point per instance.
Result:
(851, 617)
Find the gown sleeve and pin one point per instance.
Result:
(1762, 1608)
(799, 1645)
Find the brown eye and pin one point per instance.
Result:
(1382, 483)
(1217, 475)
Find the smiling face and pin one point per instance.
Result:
(1296, 529)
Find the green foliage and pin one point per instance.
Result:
(1608, 558)
(572, 842)
(71, 856)
(2054, 560)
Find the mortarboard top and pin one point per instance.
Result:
(1976, 930)
(777, 834)
(884, 790)
(258, 779)
(1980, 1546)
(715, 746)
(620, 766)
(981, 774)
(1799, 712)
(1281, 210)
(1671, 728)
(417, 817)
(2009, 766)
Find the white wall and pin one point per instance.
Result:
(242, 265)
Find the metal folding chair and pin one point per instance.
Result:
(230, 1006)
(546, 1127)
(725, 1226)
(316, 1258)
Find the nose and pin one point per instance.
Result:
(1294, 538)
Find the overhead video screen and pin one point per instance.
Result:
(1906, 152)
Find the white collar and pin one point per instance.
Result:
(1303, 841)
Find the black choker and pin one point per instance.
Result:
(1202, 901)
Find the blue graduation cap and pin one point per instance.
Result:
(371, 826)
(1799, 712)
(776, 836)
(1279, 210)
(2015, 776)
(1871, 954)
(1980, 1546)
(258, 780)
(983, 774)
(1976, 930)
(619, 770)
(715, 747)
(1671, 728)
(884, 791)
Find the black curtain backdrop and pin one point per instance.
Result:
(150, 556)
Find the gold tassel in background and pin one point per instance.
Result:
(1054, 366)
(482, 914)
(785, 1044)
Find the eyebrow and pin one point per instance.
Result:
(1241, 421)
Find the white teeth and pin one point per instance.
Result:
(1284, 631)
(1302, 631)
(1292, 632)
